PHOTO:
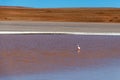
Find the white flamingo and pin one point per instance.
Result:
(78, 49)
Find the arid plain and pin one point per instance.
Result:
(60, 14)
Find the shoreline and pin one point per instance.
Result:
(56, 33)
(73, 28)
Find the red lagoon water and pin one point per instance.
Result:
(28, 54)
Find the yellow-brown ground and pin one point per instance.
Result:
(60, 14)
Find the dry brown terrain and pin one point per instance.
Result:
(62, 15)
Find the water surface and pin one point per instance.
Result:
(55, 57)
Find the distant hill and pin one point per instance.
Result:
(60, 14)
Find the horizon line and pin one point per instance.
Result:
(54, 7)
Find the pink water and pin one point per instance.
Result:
(38, 54)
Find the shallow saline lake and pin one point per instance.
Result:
(56, 57)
